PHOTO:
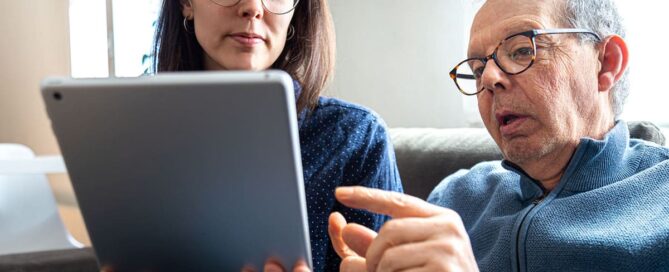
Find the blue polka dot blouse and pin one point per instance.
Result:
(342, 144)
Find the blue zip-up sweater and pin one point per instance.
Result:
(610, 211)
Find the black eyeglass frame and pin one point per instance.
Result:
(263, 5)
(531, 34)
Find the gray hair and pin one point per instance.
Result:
(602, 17)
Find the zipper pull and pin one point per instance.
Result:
(538, 200)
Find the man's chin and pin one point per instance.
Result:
(523, 151)
(518, 158)
(520, 152)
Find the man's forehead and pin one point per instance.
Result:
(498, 19)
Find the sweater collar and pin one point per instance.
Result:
(595, 164)
(297, 88)
(301, 116)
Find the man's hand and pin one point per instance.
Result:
(359, 238)
(421, 236)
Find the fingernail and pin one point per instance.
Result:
(302, 269)
(272, 268)
(301, 266)
(343, 192)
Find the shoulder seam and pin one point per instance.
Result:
(348, 105)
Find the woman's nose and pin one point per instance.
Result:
(251, 9)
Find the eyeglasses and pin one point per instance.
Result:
(278, 7)
(514, 55)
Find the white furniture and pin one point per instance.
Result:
(29, 218)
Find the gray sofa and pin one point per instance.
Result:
(424, 157)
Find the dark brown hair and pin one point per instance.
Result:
(308, 56)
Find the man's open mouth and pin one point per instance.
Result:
(508, 119)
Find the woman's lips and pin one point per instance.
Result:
(247, 40)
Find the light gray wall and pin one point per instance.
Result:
(394, 57)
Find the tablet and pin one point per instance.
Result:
(184, 171)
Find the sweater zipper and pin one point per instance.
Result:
(535, 203)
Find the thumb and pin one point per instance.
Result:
(336, 224)
(353, 264)
(358, 238)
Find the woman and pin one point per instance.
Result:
(341, 143)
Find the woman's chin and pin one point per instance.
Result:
(247, 62)
(237, 64)
(246, 66)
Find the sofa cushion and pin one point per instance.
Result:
(425, 156)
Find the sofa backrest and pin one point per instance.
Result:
(425, 156)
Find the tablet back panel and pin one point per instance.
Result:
(184, 171)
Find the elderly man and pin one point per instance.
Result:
(573, 193)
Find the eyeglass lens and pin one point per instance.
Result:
(514, 55)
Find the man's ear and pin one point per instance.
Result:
(613, 58)
(187, 9)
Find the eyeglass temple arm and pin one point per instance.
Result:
(465, 76)
(567, 30)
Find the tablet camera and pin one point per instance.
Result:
(57, 96)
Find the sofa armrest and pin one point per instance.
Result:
(646, 131)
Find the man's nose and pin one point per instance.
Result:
(251, 9)
(493, 78)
